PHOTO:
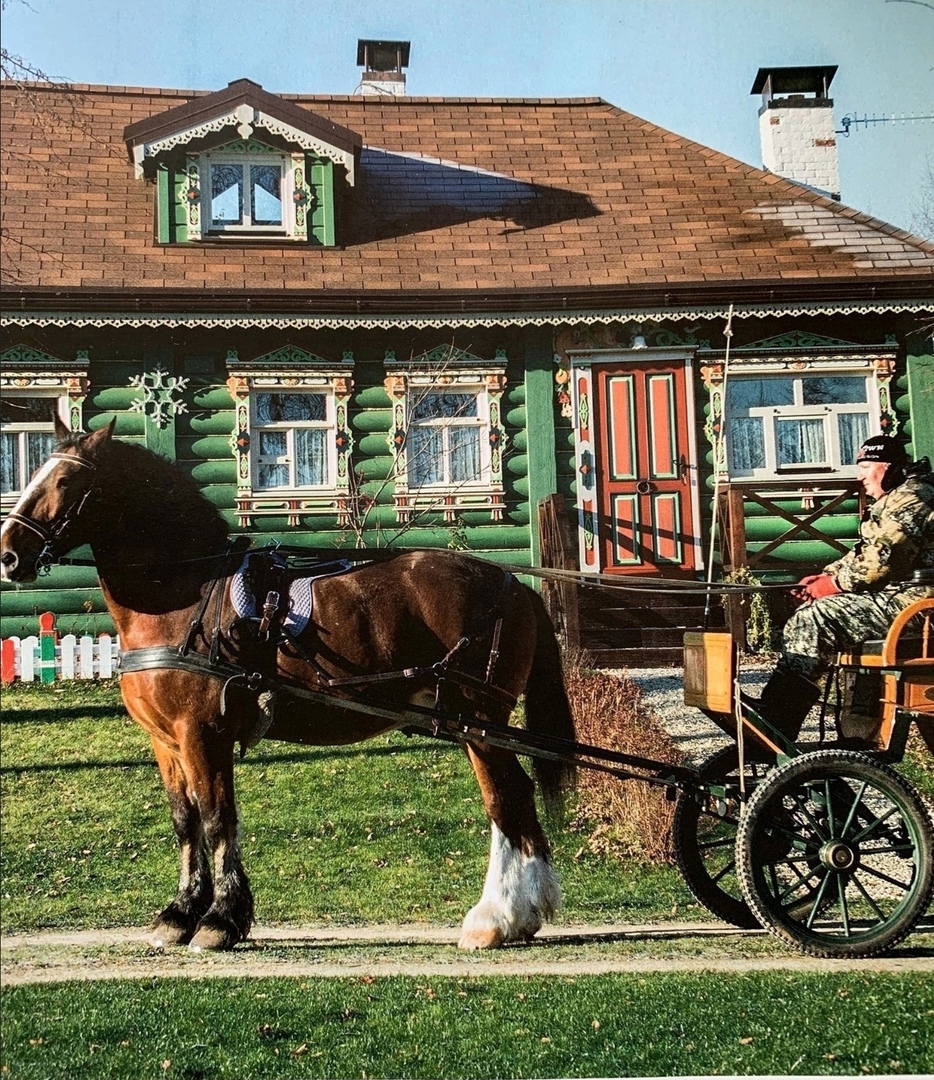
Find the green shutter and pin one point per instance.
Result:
(321, 175)
(171, 212)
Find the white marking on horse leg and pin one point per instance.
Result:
(520, 892)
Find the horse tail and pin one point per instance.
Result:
(547, 709)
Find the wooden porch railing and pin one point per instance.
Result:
(559, 551)
(818, 499)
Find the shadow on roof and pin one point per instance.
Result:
(400, 194)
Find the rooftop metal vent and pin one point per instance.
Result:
(382, 63)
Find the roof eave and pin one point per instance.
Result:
(914, 287)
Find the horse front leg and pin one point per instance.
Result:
(521, 888)
(177, 923)
(208, 762)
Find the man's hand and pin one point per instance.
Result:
(816, 587)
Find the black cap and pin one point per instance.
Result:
(882, 448)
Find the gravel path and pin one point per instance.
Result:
(423, 951)
(691, 731)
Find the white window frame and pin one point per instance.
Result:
(828, 413)
(23, 430)
(247, 160)
(291, 369)
(446, 370)
(328, 425)
(481, 423)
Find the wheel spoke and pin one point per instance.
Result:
(722, 874)
(802, 879)
(829, 798)
(901, 849)
(844, 908)
(869, 899)
(817, 901)
(709, 845)
(903, 885)
(873, 825)
(815, 824)
(852, 813)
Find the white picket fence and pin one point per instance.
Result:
(46, 658)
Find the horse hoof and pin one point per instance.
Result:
(213, 939)
(481, 938)
(167, 932)
(165, 936)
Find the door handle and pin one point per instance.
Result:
(644, 487)
(683, 468)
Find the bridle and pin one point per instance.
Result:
(49, 535)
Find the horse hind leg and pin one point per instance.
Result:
(521, 889)
(176, 924)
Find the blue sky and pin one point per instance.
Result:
(687, 65)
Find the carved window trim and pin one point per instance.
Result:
(291, 369)
(298, 197)
(27, 373)
(449, 369)
(877, 366)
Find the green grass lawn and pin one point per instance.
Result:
(619, 1025)
(390, 831)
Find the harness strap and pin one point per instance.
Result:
(164, 657)
(40, 530)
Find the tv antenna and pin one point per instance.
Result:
(853, 122)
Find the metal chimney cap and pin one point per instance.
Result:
(795, 80)
(382, 55)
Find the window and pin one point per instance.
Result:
(447, 434)
(245, 194)
(35, 388)
(292, 438)
(291, 429)
(247, 189)
(27, 437)
(800, 422)
(445, 438)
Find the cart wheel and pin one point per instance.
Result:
(835, 853)
(705, 842)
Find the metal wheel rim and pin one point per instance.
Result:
(863, 862)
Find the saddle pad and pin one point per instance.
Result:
(248, 606)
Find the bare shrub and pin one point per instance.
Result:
(613, 816)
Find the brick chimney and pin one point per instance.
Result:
(382, 63)
(796, 126)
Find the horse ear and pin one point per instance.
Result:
(101, 437)
(62, 431)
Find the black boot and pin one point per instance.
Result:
(786, 700)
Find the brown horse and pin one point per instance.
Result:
(159, 548)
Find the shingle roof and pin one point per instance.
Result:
(468, 195)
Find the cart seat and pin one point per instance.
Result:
(905, 662)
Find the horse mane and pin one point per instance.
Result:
(158, 505)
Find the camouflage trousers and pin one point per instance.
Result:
(817, 631)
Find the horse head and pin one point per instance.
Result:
(49, 518)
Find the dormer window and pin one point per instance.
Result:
(246, 195)
(243, 164)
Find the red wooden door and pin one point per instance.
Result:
(646, 478)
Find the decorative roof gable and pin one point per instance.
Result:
(240, 109)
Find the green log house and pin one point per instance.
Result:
(382, 319)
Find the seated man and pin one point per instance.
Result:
(857, 597)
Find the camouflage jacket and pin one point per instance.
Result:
(896, 537)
